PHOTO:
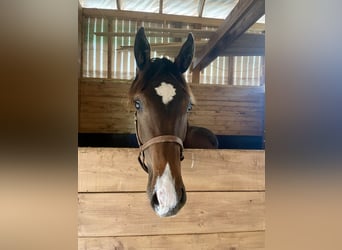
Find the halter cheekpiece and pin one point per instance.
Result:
(152, 141)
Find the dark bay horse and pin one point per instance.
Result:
(162, 100)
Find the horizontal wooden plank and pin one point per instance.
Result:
(199, 106)
(128, 128)
(95, 95)
(112, 170)
(118, 120)
(236, 241)
(227, 121)
(254, 115)
(223, 98)
(108, 129)
(224, 108)
(229, 124)
(120, 214)
(225, 104)
(108, 108)
(107, 116)
(109, 89)
(102, 100)
(120, 88)
(96, 112)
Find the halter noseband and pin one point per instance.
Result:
(154, 140)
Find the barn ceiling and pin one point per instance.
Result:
(201, 8)
(237, 17)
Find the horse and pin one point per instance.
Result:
(162, 100)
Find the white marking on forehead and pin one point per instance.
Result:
(166, 91)
(166, 192)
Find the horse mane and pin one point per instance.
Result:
(158, 67)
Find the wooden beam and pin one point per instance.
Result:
(248, 44)
(137, 15)
(243, 52)
(150, 17)
(161, 6)
(203, 33)
(164, 32)
(244, 14)
(118, 4)
(201, 4)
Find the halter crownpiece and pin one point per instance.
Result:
(152, 141)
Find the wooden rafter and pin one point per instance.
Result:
(161, 6)
(246, 45)
(118, 4)
(201, 4)
(244, 14)
(146, 16)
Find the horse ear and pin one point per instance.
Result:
(142, 49)
(184, 58)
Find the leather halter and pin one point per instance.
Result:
(152, 141)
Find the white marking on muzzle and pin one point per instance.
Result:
(166, 91)
(166, 192)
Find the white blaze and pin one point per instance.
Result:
(166, 192)
(166, 91)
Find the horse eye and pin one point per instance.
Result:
(189, 107)
(137, 104)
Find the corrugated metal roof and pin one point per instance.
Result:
(211, 8)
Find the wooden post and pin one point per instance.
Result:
(80, 40)
(110, 44)
(231, 70)
(160, 6)
(196, 76)
(262, 75)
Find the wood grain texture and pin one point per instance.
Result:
(118, 170)
(127, 214)
(226, 110)
(244, 14)
(217, 241)
(156, 17)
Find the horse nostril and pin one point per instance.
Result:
(183, 196)
(155, 201)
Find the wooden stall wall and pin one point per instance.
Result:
(225, 206)
(225, 109)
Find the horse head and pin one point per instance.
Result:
(162, 99)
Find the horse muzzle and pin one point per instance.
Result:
(164, 205)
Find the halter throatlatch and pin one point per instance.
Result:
(152, 141)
